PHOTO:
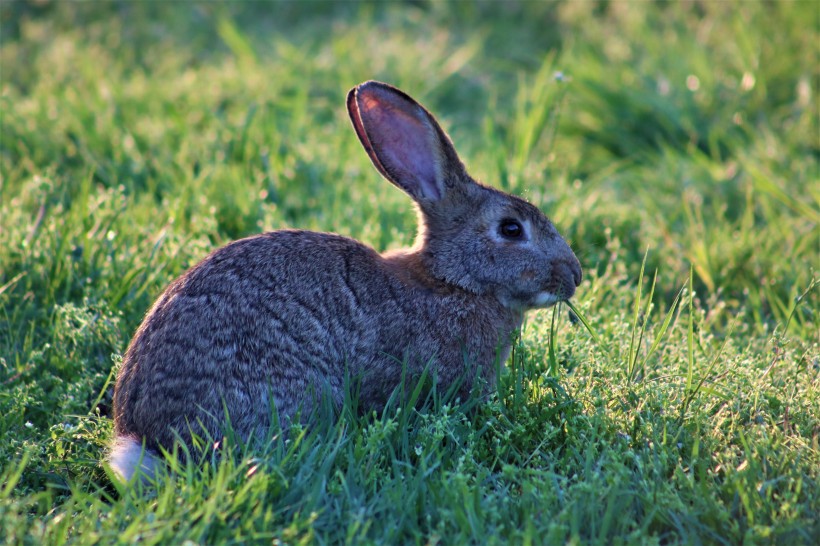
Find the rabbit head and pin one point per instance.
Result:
(471, 236)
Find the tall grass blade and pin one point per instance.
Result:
(598, 341)
(664, 326)
(635, 319)
(644, 321)
(690, 335)
(552, 370)
(815, 281)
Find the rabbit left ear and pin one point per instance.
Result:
(403, 140)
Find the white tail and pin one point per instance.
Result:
(129, 456)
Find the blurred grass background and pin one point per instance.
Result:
(138, 136)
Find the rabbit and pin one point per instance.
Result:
(265, 324)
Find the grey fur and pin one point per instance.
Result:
(289, 314)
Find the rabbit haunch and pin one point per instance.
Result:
(286, 317)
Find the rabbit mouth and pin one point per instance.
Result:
(539, 300)
(545, 299)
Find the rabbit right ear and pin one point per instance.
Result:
(403, 140)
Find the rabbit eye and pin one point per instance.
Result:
(511, 229)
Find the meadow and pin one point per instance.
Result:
(675, 145)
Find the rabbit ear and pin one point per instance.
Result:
(403, 140)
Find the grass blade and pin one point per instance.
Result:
(664, 326)
(592, 332)
(552, 370)
(690, 335)
(636, 315)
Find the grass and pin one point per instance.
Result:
(676, 146)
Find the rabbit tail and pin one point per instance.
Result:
(129, 456)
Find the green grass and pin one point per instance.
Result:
(676, 146)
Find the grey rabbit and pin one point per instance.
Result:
(284, 316)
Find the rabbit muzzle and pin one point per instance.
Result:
(567, 276)
(564, 278)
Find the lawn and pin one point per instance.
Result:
(675, 145)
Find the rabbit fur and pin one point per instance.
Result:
(279, 318)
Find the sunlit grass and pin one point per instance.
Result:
(674, 400)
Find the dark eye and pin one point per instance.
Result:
(511, 229)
